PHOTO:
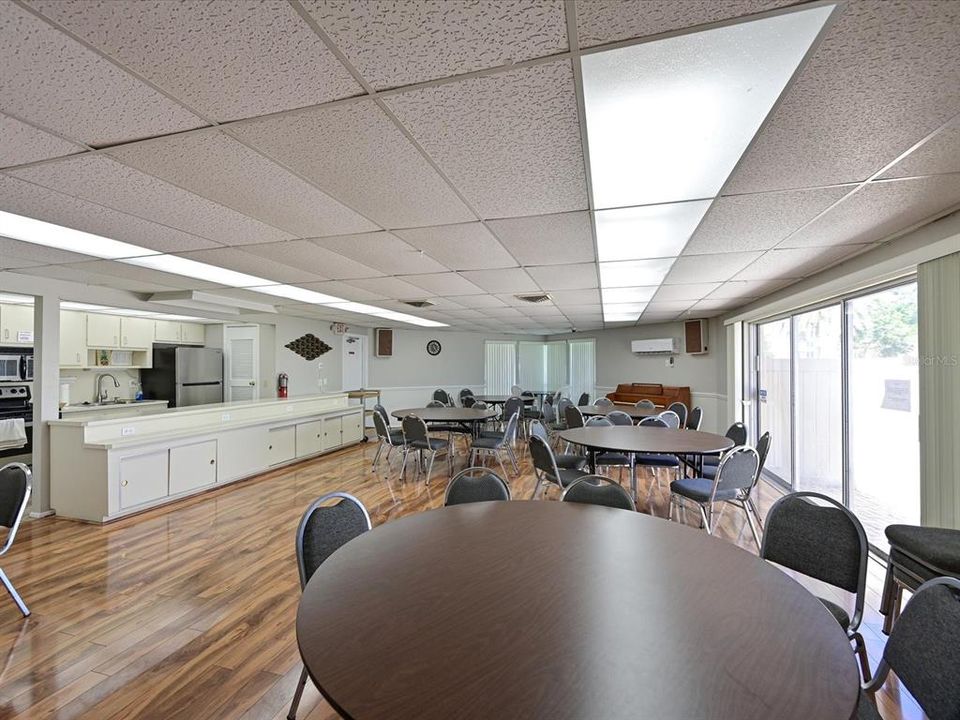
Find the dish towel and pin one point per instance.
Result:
(13, 434)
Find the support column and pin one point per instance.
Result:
(938, 299)
(46, 394)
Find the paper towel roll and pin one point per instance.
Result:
(64, 394)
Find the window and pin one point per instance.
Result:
(555, 366)
(583, 368)
(500, 364)
(837, 388)
(551, 366)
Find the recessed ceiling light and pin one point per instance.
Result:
(628, 294)
(651, 231)
(668, 120)
(620, 317)
(630, 273)
(50, 235)
(199, 270)
(296, 293)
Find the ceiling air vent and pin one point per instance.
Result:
(535, 299)
(418, 303)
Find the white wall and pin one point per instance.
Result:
(706, 375)
(83, 383)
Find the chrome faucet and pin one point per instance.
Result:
(101, 393)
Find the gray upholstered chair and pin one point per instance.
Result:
(598, 490)
(607, 458)
(387, 438)
(323, 530)
(826, 542)
(417, 440)
(656, 461)
(466, 398)
(734, 475)
(924, 651)
(16, 484)
(584, 399)
(681, 410)
(619, 417)
(671, 419)
(763, 449)
(737, 433)
(645, 405)
(443, 397)
(516, 390)
(545, 466)
(498, 446)
(563, 460)
(435, 404)
(695, 418)
(476, 484)
(604, 402)
(561, 407)
(531, 412)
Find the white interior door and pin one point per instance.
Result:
(354, 359)
(241, 359)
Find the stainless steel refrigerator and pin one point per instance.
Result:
(184, 376)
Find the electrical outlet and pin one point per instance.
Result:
(127, 431)
(670, 361)
(133, 383)
(225, 417)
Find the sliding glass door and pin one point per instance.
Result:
(837, 388)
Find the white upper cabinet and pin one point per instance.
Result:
(73, 339)
(166, 331)
(16, 324)
(192, 333)
(136, 332)
(103, 331)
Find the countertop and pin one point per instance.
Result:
(80, 407)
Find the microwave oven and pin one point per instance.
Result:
(16, 366)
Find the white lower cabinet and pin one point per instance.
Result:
(332, 428)
(143, 478)
(193, 466)
(242, 453)
(309, 438)
(281, 445)
(352, 428)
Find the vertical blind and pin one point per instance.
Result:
(555, 365)
(583, 368)
(500, 364)
(531, 366)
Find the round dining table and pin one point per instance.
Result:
(565, 611)
(634, 412)
(631, 439)
(502, 399)
(467, 418)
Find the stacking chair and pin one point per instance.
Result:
(924, 652)
(516, 390)
(498, 446)
(416, 439)
(763, 449)
(443, 397)
(562, 406)
(609, 459)
(388, 438)
(584, 399)
(681, 410)
(466, 398)
(16, 484)
(655, 461)
(476, 484)
(573, 419)
(531, 412)
(695, 418)
(545, 466)
(619, 417)
(604, 402)
(324, 529)
(917, 555)
(671, 419)
(598, 490)
(734, 475)
(825, 542)
(738, 434)
(645, 405)
(563, 460)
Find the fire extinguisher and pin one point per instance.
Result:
(282, 381)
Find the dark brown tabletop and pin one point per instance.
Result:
(647, 440)
(562, 611)
(501, 399)
(634, 412)
(446, 414)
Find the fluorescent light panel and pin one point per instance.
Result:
(630, 273)
(628, 294)
(39, 232)
(194, 269)
(298, 294)
(651, 231)
(668, 120)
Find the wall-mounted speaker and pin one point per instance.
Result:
(383, 342)
(695, 337)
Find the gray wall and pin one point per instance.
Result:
(304, 374)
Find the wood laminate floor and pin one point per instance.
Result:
(188, 611)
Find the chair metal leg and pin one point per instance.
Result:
(705, 519)
(292, 715)
(503, 469)
(376, 458)
(536, 489)
(433, 456)
(860, 647)
(756, 536)
(14, 594)
(513, 459)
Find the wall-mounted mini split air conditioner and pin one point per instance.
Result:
(655, 346)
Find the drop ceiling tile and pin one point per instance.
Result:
(23, 143)
(469, 246)
(383, 251)
(746, 289)
(514, 301)
(510, 142)
(53, 81)
(140, 275)
(509, 280)
(102, 180)
(674, 306)
(547, 239)
(226, 58)
(23, 198)
(342, 290)
(939, 155)
(465, 313)
(692, 291)
(504, 313)
(794, 262)
(565, 277)
(235, 259)
(475, 302)
(217, 167)
(313, 258)
(393, 288)
(448, 283)
(394, 44)
(711, 304)
(708, 268)
(73, 273)
(389, 181)
(873, 88)
(574, 298)
(27, 254)
(651, 318)
(879, 210)
(604, 21)
(758, 222)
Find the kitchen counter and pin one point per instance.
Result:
(136, 407)
(105, 469)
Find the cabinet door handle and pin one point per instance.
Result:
(124, 483)
(270, 447)
(213, 462)
(78, 358)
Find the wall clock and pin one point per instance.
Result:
(433, 347)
